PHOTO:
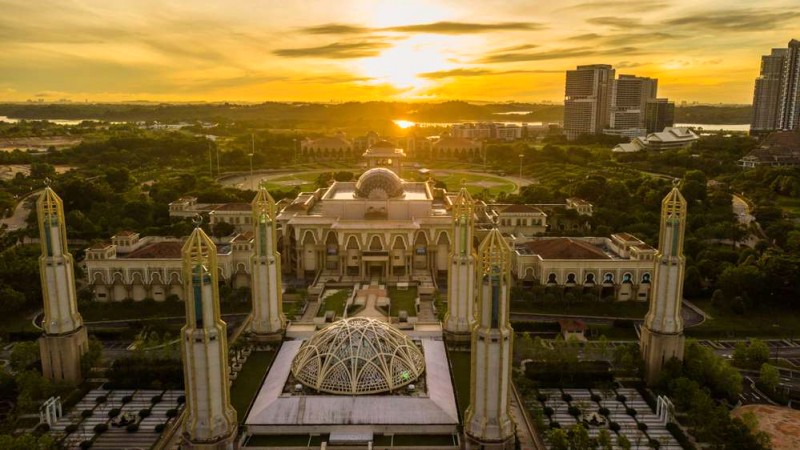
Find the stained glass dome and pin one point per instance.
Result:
(357, 356)
(379, 183)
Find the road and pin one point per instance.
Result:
(21, 213)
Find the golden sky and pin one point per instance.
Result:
(488, 50)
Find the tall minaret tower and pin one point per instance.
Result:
(488, 422)
(662, 334)
(265, 271)
(64, 339)
(461, 276)
(211, 421)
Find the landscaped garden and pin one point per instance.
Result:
(403, 300)
(248, 381)
(333, 300)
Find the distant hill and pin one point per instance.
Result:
(340, 114)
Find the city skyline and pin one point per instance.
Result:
(414, 51)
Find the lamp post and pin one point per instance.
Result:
(251, 170)
(252, 152)
(520, 165)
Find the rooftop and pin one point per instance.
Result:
(563, 248)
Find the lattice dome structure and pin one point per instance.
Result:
(358, 356)
(379, 183)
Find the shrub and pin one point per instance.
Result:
(604, 411)
(159, 428)
(156, 399)
(132, 428)
(548, 411)
(555, 425)
(101, 428)
(654, 444)
(86, 444)
(71, 428)
(621, 398)
(566, 397)
(42, 428)
(676, 432)
(127, 399)
(101, 399)
(172, 413)
(641, 426)
(143, 413)
(181, 399)
(574, 411)
(113, 413)
(614, 426)
(596, 398)
(541, 398)
(87, 413)
(631, 412)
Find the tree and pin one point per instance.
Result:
(580, 439)
(558, 438)
(13, 300)
(769, 378)
(222, 229)
(623, 442)
(740, 355)
(27, 442)
(604, 440)
(757, 353)
(24, 355)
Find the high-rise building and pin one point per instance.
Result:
(461, 276)
(789, 113)
(211, 421)
(587, 100)
(64, 339)
(662, 334)
(776, 96)
(629, 102)
(488, 423)
(268, 321)
(659, 114)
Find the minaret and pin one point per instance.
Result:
(461, 276)
(64, 339)
(265, 271)
(488, 422)
(662, 334)
(211, 421)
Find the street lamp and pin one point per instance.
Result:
(251, 170)
(520, 165)
(252, 152)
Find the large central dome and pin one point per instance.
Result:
(358, 356)
(379, 184)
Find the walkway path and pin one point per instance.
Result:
(21, 213)
(426, 313)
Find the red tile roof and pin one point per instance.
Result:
(564, 248)
(161, 250)
(234, 207)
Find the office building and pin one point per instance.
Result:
(629, 103)
(776, 96)
(659, 114)
(587, 100)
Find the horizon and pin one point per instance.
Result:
(356, 51)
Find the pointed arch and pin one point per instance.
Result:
(376, 243)
(353, 244)
(309, 238)
(443, 238)
(399, 243)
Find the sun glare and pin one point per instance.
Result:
(402, 65)
(404, 123)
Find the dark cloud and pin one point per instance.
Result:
(335, 28)
(337, 50)
(739, 20)
(465, 27)
(558, 54)
(616, 22)
(638, 6)
(461, 72)
(586, 37)
(431, 28)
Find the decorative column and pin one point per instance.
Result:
(662, 334)
(461, 276)
(268, 321)
(488, 422)
(211, 421)
(64, 340)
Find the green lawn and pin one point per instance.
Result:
(334, 302)
(461, 365)
(495, 185)
(248, 382)
(403, 301)
(96, 311)
(629, 309)
(764, 322)
(306, 182)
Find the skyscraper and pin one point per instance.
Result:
(587, 100)
(659, 114)
(789, 113)
(629, 102)
(776, 96)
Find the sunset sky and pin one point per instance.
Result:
(498, 50)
